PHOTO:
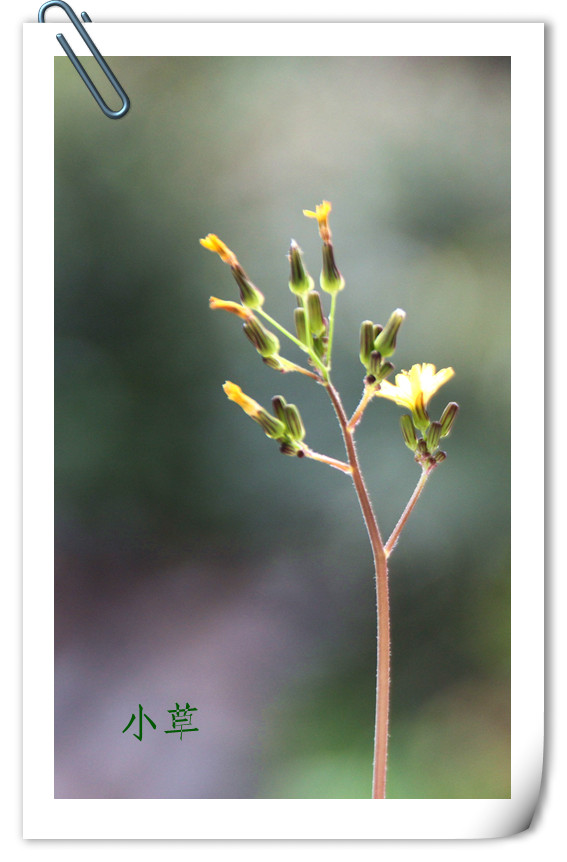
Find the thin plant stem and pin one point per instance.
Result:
(367, 395)
(295, 340)
(391, 543)
(382, 601)
(331, 329)
(325, 459)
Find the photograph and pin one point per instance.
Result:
(282, 428)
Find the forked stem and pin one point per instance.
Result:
(382, 601)
(391, 543)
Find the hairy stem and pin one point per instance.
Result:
(325, 459)
(367, 395)
(382, 601)
(391, 543)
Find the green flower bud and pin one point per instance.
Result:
(265, 342)
(300, 281)
(279, 405)
(408, 432)
(274, 362)
(289, 447)
(300, 319)
(421, 447)
(433, 436)
(272, 426)
(420, 415)
(294, 422)
(250, 296)
(320, 346)
(317, 323)
(385, 343)
(375, 363)
(448, 417)
(366, 341)
(440, 456)
(331, 280)
(385, 369)
(377, 330)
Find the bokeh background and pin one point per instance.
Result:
(194, 563)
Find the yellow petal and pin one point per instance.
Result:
(213, 243)
(235, 393)
(233, 307)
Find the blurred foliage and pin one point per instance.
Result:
(153, 464)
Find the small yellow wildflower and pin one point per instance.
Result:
(235, 393)
(233, 307)
(322, 215)
(415, 387)
(213, 243)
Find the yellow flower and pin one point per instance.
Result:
(233, 307)
(415, 387)
(213, 243)
(322, 215)
(235, 393)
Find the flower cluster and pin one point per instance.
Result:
(413, 390)
(313, 335)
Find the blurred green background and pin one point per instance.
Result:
(194, 562)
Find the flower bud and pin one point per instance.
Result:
(433, 436)
(377, 330)
(265, 342)
(331, 280)
(315, 313)
(294, 422)
(408, 432)
(300, 281)
(420, 414)
(385, 369)
(385, 343)
(250, 296)
(440, 456)
(300, 319)
(375, 363)
(289, 447)
(366, 341)
(272, 427)
(448, 417)
(279, 405)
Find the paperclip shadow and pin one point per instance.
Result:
(113, 115)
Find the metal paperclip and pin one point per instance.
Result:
(114, 115)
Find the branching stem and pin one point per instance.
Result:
(382, 599)
(391, 543)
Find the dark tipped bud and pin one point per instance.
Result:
(375, 363)
(300, 319)
(385, 343)
(440, 456)
(420, 414)
(315, 313)
(290, 448)
(250, 296)
(272, 426)
(294, 422)
(279, 405)
(385, 369)
(408, 432)
(366, 341)
(265, 342)
(448, 417)
(421, 447)
(331, 280)
(300, 281)
(433, 436)
(377, 330)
